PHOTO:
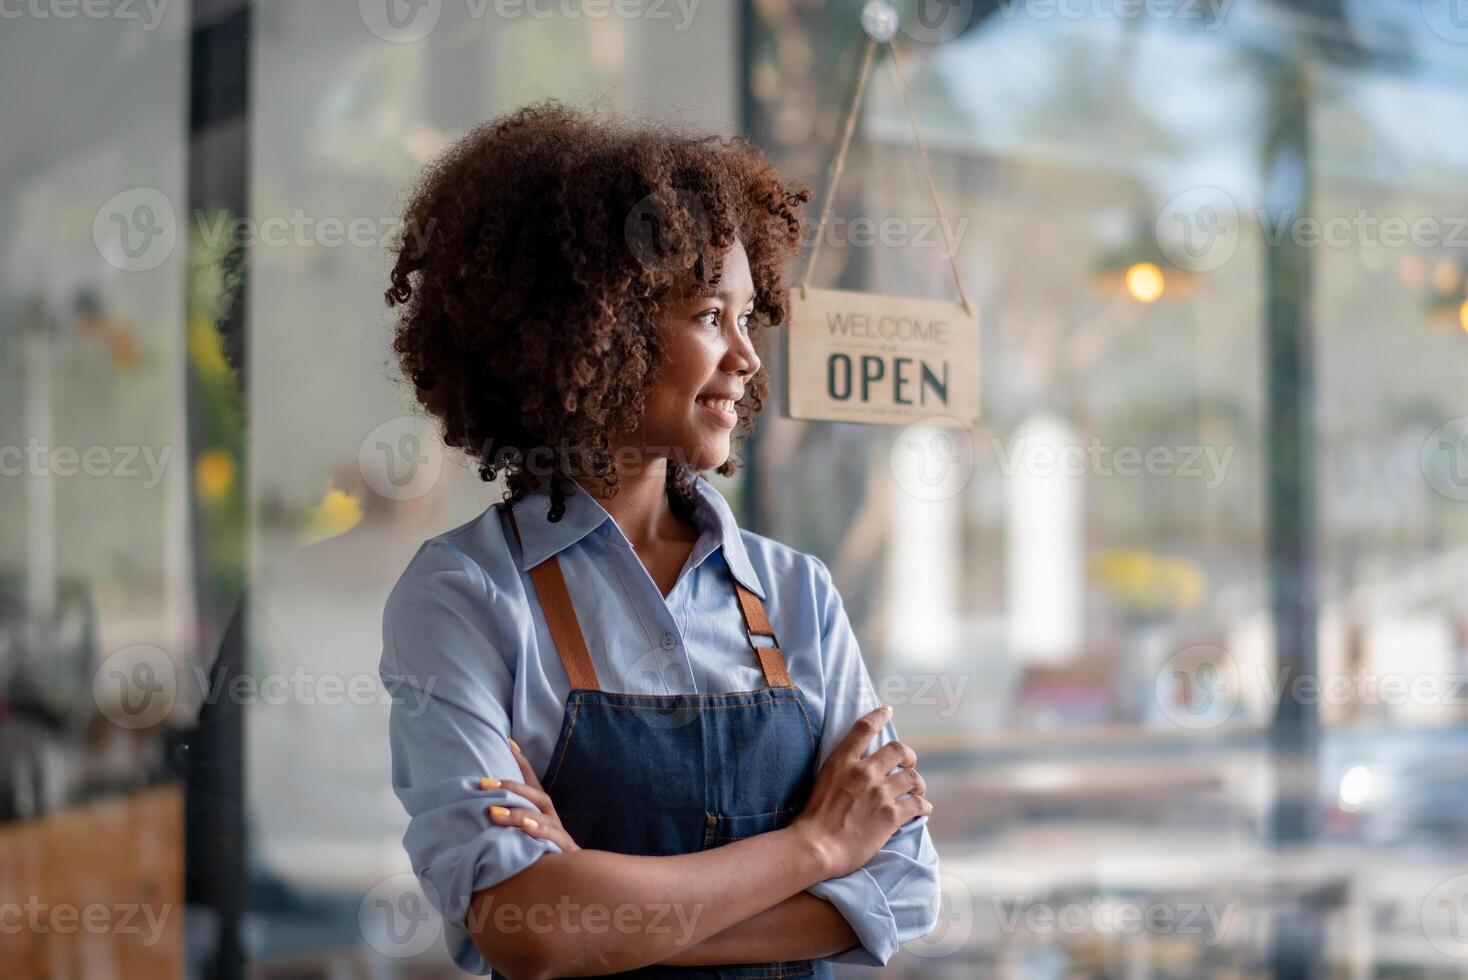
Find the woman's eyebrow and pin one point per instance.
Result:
(727, 294)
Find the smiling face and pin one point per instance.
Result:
(708, 360)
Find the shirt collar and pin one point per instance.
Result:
(540, 539)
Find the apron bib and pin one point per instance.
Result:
(654, 774)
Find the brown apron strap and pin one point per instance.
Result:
(565, 629)
(560, 616)
(756, 623)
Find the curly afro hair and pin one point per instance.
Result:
(536, 258)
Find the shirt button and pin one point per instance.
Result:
(669, 641)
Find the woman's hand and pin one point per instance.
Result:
(546, 824)
(854, 807)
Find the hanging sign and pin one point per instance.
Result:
(869, 357)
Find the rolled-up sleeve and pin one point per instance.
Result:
(450, 685)
(894, 897)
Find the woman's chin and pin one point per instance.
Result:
(708, 454)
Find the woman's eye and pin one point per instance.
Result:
(711, 317)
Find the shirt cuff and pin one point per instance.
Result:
(496, 854)
(863, 904)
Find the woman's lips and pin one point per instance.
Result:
(720, 410)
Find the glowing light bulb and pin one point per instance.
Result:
(1144, 282)
(1355, 788)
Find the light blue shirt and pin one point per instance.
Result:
(469, 660)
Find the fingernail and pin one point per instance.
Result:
(529, 822)
(489, 782)
(887, 708)
(499, 811)
(514, 745)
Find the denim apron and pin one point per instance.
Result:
(658, 774)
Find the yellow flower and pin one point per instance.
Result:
(213, 474)
(337, 513)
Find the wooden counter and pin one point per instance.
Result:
(95, 891)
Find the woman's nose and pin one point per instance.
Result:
(742, 351)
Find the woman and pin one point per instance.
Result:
(631, 737)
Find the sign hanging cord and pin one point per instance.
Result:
(838, 164)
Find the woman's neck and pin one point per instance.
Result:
(641, 507)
